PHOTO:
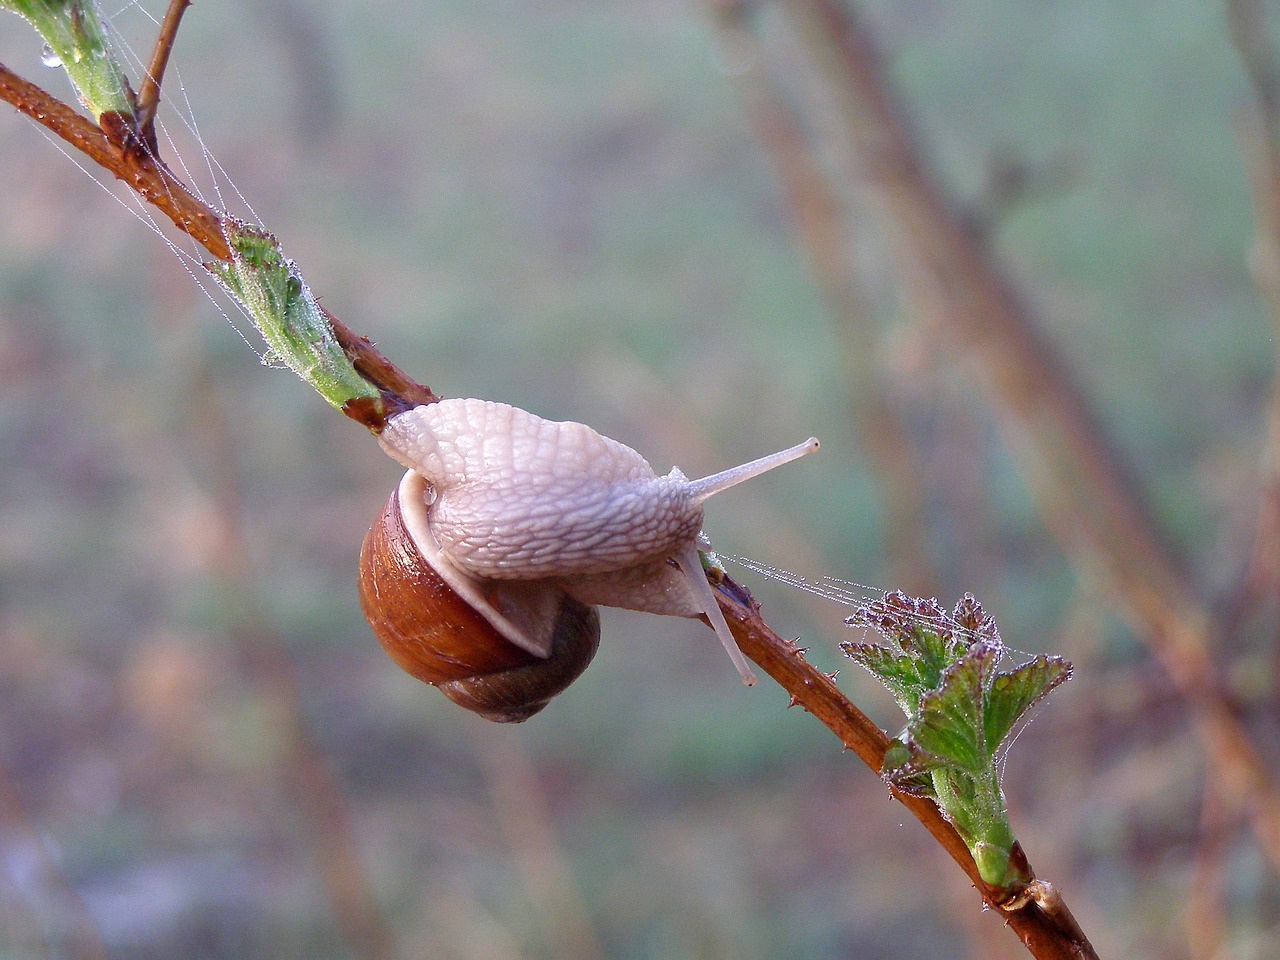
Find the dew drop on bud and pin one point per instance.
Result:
(49, 58)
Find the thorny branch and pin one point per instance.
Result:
(1037, 914)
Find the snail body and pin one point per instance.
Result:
(530, 523)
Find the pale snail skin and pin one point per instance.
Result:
(510, 496)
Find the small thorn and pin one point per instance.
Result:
(832, 675)
(793, 700)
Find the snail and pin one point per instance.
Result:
(482, 572)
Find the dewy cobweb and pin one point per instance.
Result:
(847, 593)
(181, 138)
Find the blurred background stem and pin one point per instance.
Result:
(824, 234)
(44, 915)
(263, 656)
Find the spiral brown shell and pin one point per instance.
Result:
(437, 636)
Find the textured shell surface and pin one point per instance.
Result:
(518, 496)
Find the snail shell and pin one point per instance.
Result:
(470, 638)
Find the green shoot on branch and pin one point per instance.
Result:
(280, 305)
(75, 39)
(961, 713)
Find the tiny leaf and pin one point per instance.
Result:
(905, 768)
(949, 723)
(896, 671)
(1012, 694)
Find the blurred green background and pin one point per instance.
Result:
(560, 204)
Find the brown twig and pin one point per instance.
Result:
(1084, 491)
(151, 180)
(1259, 585)
(1205, 919)
(317, 796)
(149, 92)
(817, 218)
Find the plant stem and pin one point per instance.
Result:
(287, 316)
(149, 92)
